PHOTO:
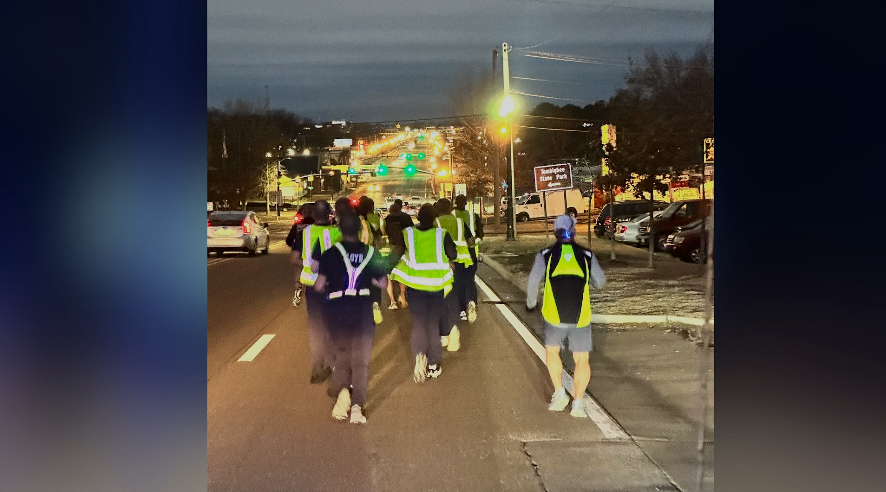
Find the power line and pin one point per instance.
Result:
(552, 129)
(545, 97)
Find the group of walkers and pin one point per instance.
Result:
(340, 274)
(432, 265)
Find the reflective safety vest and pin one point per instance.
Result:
(353, 274)
(470, 219)
(424, 265)
(564, 284)
(456, 229)
(326, 235)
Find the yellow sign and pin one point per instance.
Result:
(607, 136)
(709, 150)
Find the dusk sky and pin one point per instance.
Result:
(389, 60)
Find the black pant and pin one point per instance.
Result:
(428, 311)
(464, 284)
(351, 329)
(318, 331)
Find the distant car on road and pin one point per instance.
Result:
(236, 231)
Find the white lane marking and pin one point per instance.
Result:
(608, 426)
(256, 348)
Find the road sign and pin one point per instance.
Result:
(553, 177)
(709, 150)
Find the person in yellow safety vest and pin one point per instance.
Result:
(424, 267)
(569, 271)
(307, 247)
(346, 273)
(467, 299)
(370, 234)
(461, 235)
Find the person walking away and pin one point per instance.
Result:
(569, 271)
(395, 223)
(345, 273)
(311, 242)
(370, 234)
(425, 269)
(468, 296)
(449, 333)
(306, 220)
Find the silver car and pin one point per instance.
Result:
(236, 231)
(627, 231)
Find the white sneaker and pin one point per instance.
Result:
(559, 400)
(392, 306)
(463, 315)
(340, 410)
(454, 340)
(421, 368)
(434, 371)
(357, 415)
(472, 312)
(376, 312)
(444, 341)
(578, 409)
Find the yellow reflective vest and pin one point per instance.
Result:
(424, 265)
(567, 282)
(327, 236)
(456, 229)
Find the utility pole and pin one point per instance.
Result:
(507, 109)
(496, 157)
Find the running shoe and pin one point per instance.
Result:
(472, 312)
(454, 340)
(421, 368)
(393, 305)
(298, 296)
(376, 312)
(357, 415)
(578, 409)
(559, 400)
(463, 315)
(444, 341)
(434, 370)
(340, 410)
(403, 303)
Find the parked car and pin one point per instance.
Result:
(690, 243)
(627, 231)
(623, 211)
(677, 214)
(236, 231)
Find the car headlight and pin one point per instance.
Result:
(679, 239)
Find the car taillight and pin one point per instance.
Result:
(247, 228)
(208, 224)
(297, 219)
(622, 229)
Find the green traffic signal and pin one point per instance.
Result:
(408, 157)
(421, 155)
(351, 170)
(409, 170)
(382, 170)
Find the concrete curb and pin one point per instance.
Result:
(600, 318)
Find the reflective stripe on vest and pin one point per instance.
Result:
(353, 274)
(423, 268)
(308, 239)
(461, 245)
(472, 225)
(567, 265)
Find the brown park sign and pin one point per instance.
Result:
(553, 177)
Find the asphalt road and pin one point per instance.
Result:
(482, 426)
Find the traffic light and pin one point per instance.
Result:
(409, 170)
(408, 157)
(421, 155)
(382, 170)
(351, 170)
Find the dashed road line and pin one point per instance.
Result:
(606, 424)
(257, 347)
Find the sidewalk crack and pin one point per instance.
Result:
(534, 466)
